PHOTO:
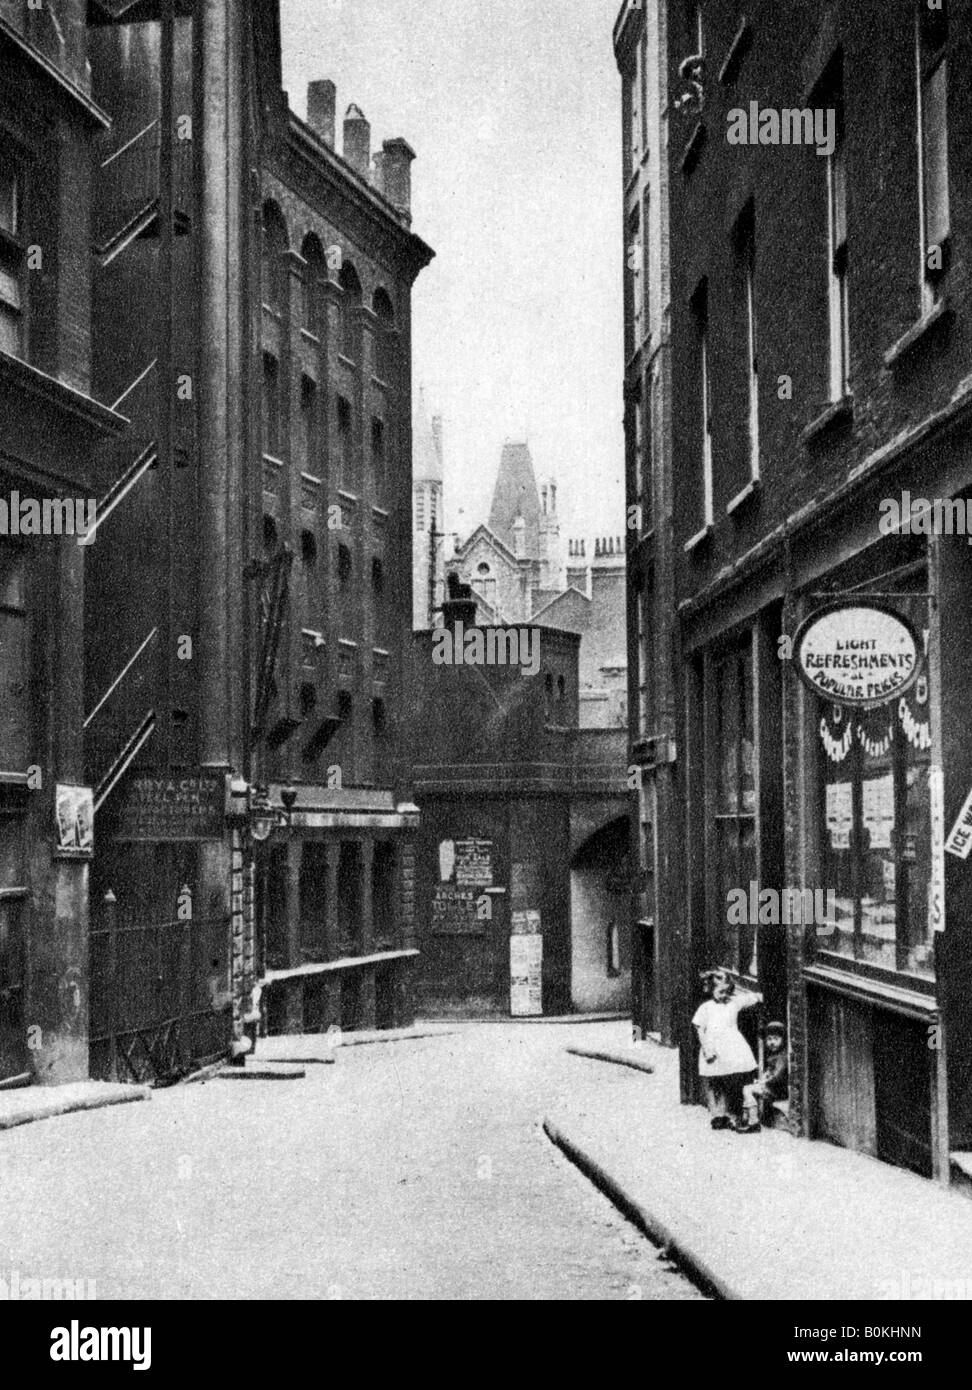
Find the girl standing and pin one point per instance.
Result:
(726, 1060)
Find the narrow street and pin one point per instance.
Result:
(408, 1170)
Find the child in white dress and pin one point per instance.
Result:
(726, 1060)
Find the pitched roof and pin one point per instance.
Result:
(516, 495)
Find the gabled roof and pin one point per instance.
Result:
(483, 532)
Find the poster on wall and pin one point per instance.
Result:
(474, 863)
(458, 911)
(840, 814)
(526, 975)
(877, 810)
(74, 808)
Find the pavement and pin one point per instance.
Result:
(417, 1169)
(28, 1103)
(760, 1216)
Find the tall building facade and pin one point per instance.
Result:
(641, 44)
(331, 501)
(53, 425)
(820, 408)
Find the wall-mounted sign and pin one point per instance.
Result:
(459, 911)
(74, 808)
(526, 975)
(173, 808)
(959, 841)
(856, 653)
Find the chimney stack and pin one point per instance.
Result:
(398, 156)
(357, 141)
(321, 107)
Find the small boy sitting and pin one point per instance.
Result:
(773, 1081)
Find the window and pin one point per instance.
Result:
(646, 659)
(701, 311)
(378, 454)
(315, 270)
(271, 405)
(308, 700)
(420, 511)
(874, 824)
(832, 96)
(345, 441)
(11, 259)
(484, 584)
(747, 257)
(15, 704)
(377, 576)
(308, 421)
(634, 294)
(379, 717)
(350, 311)
(932, 63)
(275, 273)
(385, 342)
(734, 807)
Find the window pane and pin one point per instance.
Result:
(8, 198)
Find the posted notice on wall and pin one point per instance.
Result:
(526, 975)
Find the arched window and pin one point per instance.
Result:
(350, 311)
(315, 270)
(385, 343)
(275, 243)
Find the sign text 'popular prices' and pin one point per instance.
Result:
(857, 654)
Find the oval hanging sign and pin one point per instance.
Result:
(856, 653)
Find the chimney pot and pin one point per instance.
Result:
(357, 140)
(321, 107)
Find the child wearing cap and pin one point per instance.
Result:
(726, 1060)
(773, 1081)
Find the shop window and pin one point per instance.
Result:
(734, 809)
(873, 809)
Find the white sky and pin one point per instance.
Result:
(513, 108)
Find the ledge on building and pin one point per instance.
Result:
(737, 51)
(92, 414)
(310, 337)
(690, 155)
(832, 417)
(940, 313)
(745, 497)
(698, 539)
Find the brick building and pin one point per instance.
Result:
(819, 316)
(52, 425)
(332, 500)
(641, 48)
(521, 873)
